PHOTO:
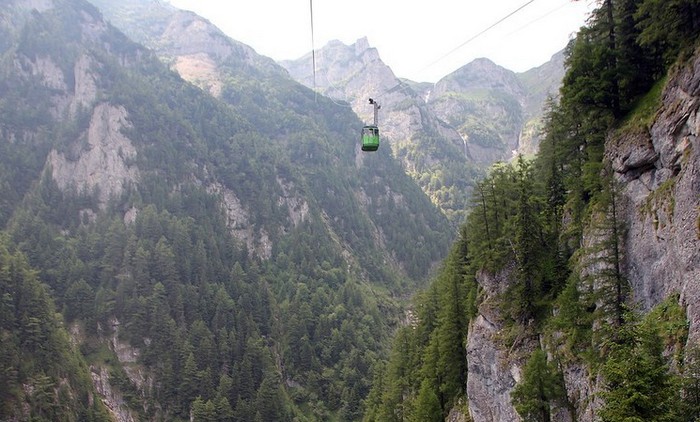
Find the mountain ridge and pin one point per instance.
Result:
(243, 228)
(446, 134)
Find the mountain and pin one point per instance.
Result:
(483, 102)
(445, 134)
(232, 255)
(541, 83)
(254, 86)
(431, 152)
(571, 294)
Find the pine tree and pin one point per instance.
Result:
(526, 245)
(270, 402)
(667, 26)
(540, 387)
(427, 407)
(451, 334)
(691, 383)
(639, 386)
(605, 284)
(398, 379)
(79, 301)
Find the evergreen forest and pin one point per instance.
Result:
(253, 271)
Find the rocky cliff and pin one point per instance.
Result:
(658, 168)
(190, 44)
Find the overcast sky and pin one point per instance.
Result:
(420, 40)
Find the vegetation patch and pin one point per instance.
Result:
(661, 198)
(644, 110)
(670, 320)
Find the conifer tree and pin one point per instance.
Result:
(602, 260)
(691, 383)
(427, 407)
(270, 402)
(639, 386)
(540, 387)
(451, 335)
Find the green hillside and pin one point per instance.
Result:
(249, 256)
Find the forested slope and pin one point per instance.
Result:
(572, 292)
(234, 260)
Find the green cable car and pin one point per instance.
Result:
(370, 138)
(370, 133)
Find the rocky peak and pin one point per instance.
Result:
(542, 82)
(481, 74)
(195, 48)
(187, 33)
(361, 45)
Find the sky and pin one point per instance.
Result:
(420, 40)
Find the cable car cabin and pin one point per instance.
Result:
(370, 138)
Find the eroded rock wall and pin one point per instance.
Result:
(659, 170)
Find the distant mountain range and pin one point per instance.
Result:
(446, 134)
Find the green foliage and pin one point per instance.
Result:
(644, 109)
(427, 404)
(540, 387)
(667, 27)
(439, 169)
(228, 336)
(219, 329)
(36, 351)
(426, 373)
(574, 319)
(690, 384)
(639, 385)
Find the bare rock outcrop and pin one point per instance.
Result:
(101, 159)
(494, 369)
(660, 173)
(658, 168)
(491, 375)
(257, 241)
(111, 398)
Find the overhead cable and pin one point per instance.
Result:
(480, 33)
(313, 44)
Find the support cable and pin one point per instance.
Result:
(313, 44)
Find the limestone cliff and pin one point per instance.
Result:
(660, 171)
(100, 158)
(658, 168)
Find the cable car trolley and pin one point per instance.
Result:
(370, 133)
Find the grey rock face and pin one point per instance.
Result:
(660, 172)
(491, 375)
(493, 369)
(111, 398)
(100, 159)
